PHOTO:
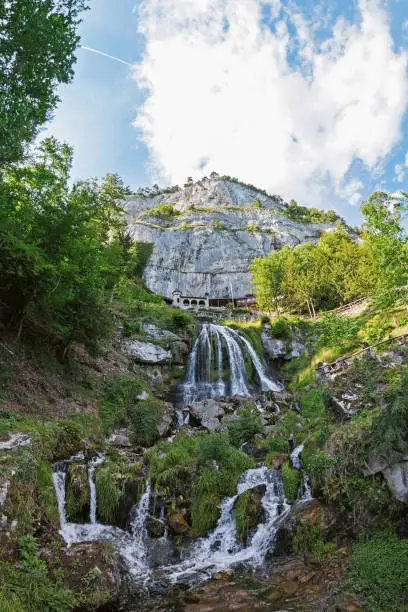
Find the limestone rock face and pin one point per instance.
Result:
(147, 352)
(206, 247)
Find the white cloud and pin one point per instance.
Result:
(222, 94)
(400, 170)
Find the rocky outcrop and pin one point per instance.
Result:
(394, 469)
(277, 348)
(147, 352)
(217, 228)
(207, 413)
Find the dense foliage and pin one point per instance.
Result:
(38, 39)
(338, 268)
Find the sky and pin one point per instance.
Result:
(305, 99)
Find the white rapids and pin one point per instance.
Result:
(131, 545)
(222, 549)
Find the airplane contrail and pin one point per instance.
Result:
(112, 57)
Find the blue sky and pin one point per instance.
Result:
(308, 100)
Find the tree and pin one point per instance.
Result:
(60, 250)
(386, 237)
(38, 39)
(267, 274)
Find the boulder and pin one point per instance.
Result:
(397, 480)
(166, 420)
(178, 524)
(15, 440)
(92, 570)
(120, 438)
(208, 413)
(249, 511)
(157, 333)
(147, 352)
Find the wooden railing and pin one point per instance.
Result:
(342, 362)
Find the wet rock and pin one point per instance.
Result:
(220, 597)
(249, 511)
(156, 528)
(208, 413)
(278, 460)
(178, 524)
(146, 352)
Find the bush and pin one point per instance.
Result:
(28, 586)
(314, 402)
(291, 479)
(248, 425)
(308, 538)
(379, 570)
(265, 320)
(281, 329)
(145, 418)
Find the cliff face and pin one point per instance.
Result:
(205, 241)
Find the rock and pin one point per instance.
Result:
(278, 460)
(249, 503)
(146, 352)
(208, 413)
(100, 562)
(120, 438)
(15, 440)
(166, 421)
(394, 468)
(197, 258)
(273, 346)
(157, 333)
(4, 488)
(178, 524)
(78, 493)
(397, 480)
(142, 396)
(156, 528)
(401, 528)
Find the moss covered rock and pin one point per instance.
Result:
(248, 511)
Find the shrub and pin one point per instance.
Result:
(278, 444)
(145, 418)
(291, 479)
(379, 570)
(248, 425)
(314, 403)
(219, 225)
(28, 586)
(281, 329)
(265, 320)
(308, 538)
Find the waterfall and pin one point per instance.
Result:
(295, 456)
(205, 371)
(305, 491)
(92, 488)
(222, 550)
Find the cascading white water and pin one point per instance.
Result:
(222, 550)
(132, 546)
(205, 367)
(295, 456)
(304, 492)
(92, 488)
